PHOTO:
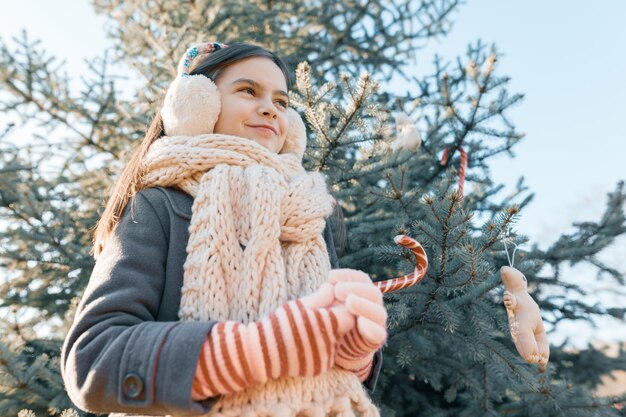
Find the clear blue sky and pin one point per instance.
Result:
(566, 57)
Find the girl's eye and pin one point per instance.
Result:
(251, 91)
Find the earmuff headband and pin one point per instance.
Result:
(193, 52)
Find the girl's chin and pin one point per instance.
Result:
(266, 143)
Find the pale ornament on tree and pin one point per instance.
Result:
(407, 135)
(525, 324)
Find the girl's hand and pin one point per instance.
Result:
(363, 299)
(323, 297)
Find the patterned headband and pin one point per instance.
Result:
(193, 52)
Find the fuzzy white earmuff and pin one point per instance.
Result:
(192, 104)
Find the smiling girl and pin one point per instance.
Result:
(212, 291)
(254, 108)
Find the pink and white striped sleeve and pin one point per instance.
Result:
(294, 340)
(356, 354)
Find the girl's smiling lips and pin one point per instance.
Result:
(265, 128)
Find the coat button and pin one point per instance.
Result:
(132, 385)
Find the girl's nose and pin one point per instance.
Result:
(266, 108)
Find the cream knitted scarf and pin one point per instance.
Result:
(255, 242)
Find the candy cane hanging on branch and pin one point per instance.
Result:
(421, 266)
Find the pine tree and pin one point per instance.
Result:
(449, 352)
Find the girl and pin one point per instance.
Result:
(212, 291)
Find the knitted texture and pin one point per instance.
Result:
(255, 242)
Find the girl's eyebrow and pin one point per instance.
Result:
(257, 85)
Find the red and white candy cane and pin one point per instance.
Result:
(421, 266)
(444, 159)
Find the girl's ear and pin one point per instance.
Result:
(295, 142)
(191, 107)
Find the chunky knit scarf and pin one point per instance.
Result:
(255, 242)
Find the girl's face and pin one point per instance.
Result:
(254, 102)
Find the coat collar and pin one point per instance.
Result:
(180, 201)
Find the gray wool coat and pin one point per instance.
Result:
(127, 351)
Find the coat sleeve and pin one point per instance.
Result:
(116, 357)
(370, 382)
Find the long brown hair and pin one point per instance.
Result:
(130, 181)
